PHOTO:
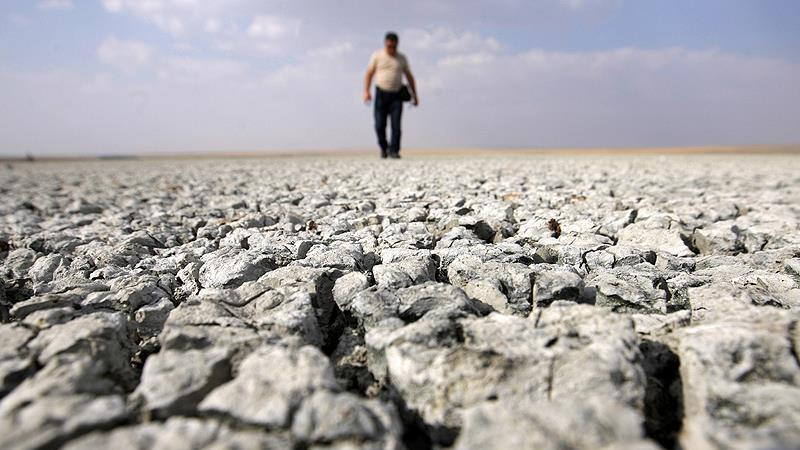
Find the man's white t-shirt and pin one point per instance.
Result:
(388, 69)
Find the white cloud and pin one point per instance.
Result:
(468, 59)
(128, 56)
(247, 27)
(146, 7)
(134, 57)
(579, 4)
(441, 39)
(19, 19)
(55, 4)
(235, 26)
(273, 27)
(184, 46)
(201, 70)
(263, 35)
(114, 5)
(172, 16)
(212, 26)
(337, 49)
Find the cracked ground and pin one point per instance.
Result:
(636, 302)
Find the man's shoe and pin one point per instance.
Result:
(394, 155)
(383, 154)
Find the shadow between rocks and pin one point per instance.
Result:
(663, 405)
(416, 433)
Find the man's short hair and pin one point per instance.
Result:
(391, 36)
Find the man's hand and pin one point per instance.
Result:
(368, 83)
(413, 85)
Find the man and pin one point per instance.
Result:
(388, 67)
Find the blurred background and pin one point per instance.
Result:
(114, 77)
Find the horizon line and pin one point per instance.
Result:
(415, 151)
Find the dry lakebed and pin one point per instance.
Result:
(536, 302)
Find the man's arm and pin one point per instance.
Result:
(413, 84)
(368, 83)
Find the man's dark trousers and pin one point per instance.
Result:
(388, 104)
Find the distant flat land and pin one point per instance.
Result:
(418, 152)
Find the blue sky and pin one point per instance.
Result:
(155, 76)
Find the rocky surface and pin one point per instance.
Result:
(606, 302)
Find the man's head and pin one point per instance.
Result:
(390, 42)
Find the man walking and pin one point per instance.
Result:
(388, 67)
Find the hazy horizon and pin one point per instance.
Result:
(114, 77)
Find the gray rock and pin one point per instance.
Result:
(416, 214)
(72, 393)
(598, 260)
(535, 229)
(13, 339)
(504, 286)
(181, 432)
(634, 290)
(83, 207)
(15, 364)
(406, 272)
(270, 385)
(678, 286)
(101, 336)
(441, 366)
(150, 318)
(46, 268)
(287, 310)
(412, 235)
(458, 236)
(719, 237)
(348, 286)
(207, 321)
(230, 267)
(238, 238)
(19, 261)
(631, 256)
(12, 371)
(668, 262)
(294, 316)
(740, 385)
(617, 220)
(144, 239)
(48, 317)
(50, 421)
(46, 301)
(349, 360)
(586, 424)
(174, 382)
(318, 283)
(371, 306)
(326, 417)
(188, 281)
(346, 257)
(127, 294)
(658, 325)
(556, 285)
(792, 266)
(723, 301)
(640, 234)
